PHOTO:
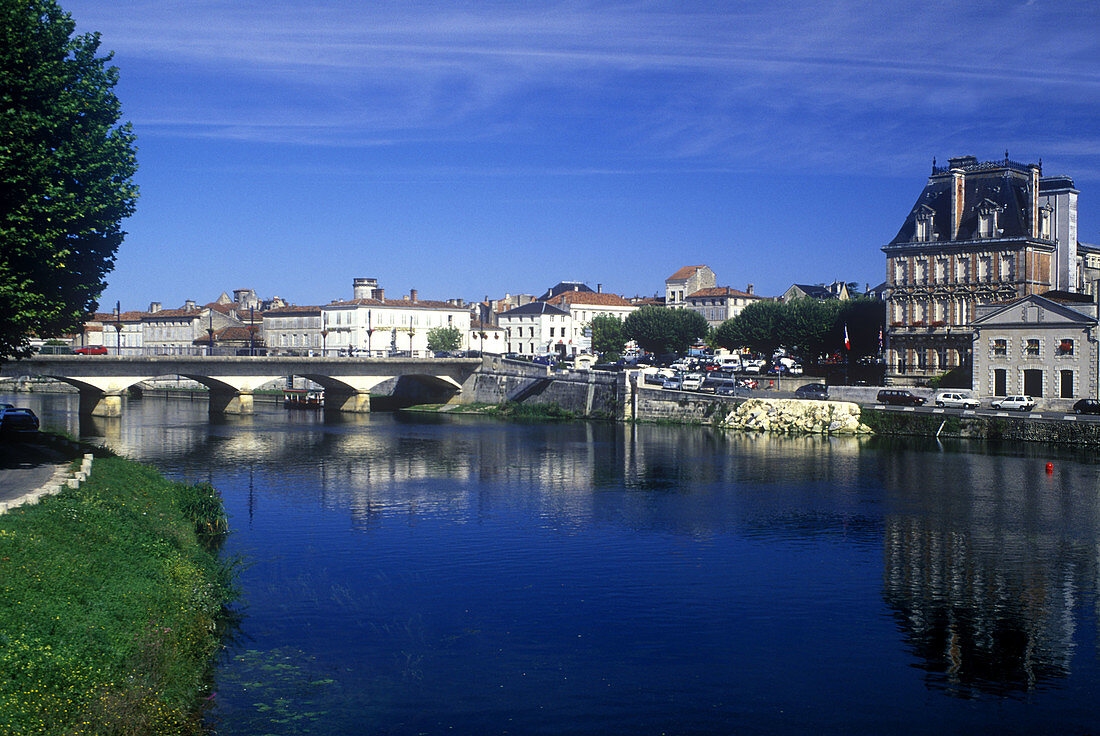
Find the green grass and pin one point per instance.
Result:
(111, 597)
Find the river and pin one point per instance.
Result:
(461, 575)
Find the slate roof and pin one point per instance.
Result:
(1004, 184)
(293, 310)
(563, 287)
(814, 291)
(533, 308)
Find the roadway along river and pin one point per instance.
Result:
(461, 575)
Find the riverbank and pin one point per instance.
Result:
(111, 599)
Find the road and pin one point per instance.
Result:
(24, 467)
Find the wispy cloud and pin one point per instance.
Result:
(687, 81)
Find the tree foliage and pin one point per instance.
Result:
(65, 173)
(660, 330)
(806, 328)
(608, 335)
(444, 339)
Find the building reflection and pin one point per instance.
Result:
(985, 567)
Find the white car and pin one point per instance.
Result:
(960, 399)
(1020, 403)
(693, 382)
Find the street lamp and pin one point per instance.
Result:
(210, 333)
(118, 328)
(324, 336)
(251, 331)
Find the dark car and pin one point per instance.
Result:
(899, 397)
(812, 391)
(1087, 406)
(17, 421)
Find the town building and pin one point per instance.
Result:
(372, 325)
(720, 303)
(294, 330)
(687, 280)
(537, 328)
(821, 292)
(583, 307)
(981, 232)
(487, 338)
(1044, 346)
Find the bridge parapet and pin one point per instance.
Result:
(103, 380)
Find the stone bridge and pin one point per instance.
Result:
(102, 380)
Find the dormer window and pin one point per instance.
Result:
(924, 232)
(1045, 213)
(987, 220)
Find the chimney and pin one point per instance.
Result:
(599, 288)
(412, 295)
(380, 294)
(361, 288)
(748, 289)
(154, 307)
(189, 305)
(958, 191)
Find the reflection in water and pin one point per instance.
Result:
(469, 572)
(985, 564)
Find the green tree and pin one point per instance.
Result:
(65, 173)
(608, 336)
(441, 339)
(760, 327)
(660, 330)
(810, 328)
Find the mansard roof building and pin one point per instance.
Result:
(980, 232)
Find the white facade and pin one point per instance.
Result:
(582, 308)
(293, 330)
(379, 327)
(537, 328)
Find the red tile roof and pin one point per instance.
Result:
(589, 297)
(723, 291)
(684, 273)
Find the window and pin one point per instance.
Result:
(922, 271)
(985, 268)
(962, 269)
(1044, 221)
(987, 220)
(941, 270)
(1031, 349)
(899, 271)
(1006, 268)
(1000, 347)
(1065, 347)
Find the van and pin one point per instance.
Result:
(729, 362)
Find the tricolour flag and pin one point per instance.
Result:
(847, 342)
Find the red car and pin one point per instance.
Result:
(91, 350)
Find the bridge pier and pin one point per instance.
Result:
(225, 402)
(96, 403)
(357, 403)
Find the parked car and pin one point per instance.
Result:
(961, 399)
(899, 397)
(1019, 403)
(730, 388)
(675, 383)
(692, 382)
(1087, 406)
(817, 391)
(91, 350)
(17, 421)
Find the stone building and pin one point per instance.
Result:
(979, 233)
(1044, 346)
(687, 280)
(719, 303)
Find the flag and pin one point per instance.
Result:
(847, 342)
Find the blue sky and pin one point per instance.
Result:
(474, 148)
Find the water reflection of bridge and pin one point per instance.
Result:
(103, 380)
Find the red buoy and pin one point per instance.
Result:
(1050, 468)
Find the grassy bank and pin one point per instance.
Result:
(111, 597)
